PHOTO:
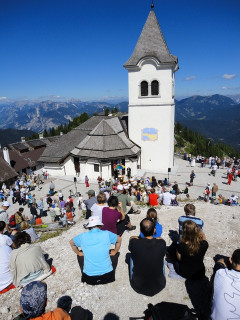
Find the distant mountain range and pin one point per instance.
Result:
(216, 116)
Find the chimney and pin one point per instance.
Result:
(40, 135)
(23, 139)
(61, 133)
(6, 155)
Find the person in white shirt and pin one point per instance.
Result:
(226, 298)
(167, 197)
(5, 273)
(96, 209)
(4, 239)
(3, 213)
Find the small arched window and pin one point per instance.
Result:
(154, 88)
(144, 88)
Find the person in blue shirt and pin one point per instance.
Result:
(190, 211)
(96, 262)
(152, 215)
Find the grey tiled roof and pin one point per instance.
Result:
(60, 149)
(151, 43)
(107, 141)
(6, 171)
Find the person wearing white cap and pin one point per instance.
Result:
(97, 265)
(3, 213)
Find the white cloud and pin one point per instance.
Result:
(190, 78)
(3, 98)
(224, 88)
(229, 76)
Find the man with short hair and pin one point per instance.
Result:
(90, 202)
(227, 288)
(3, 213)
(97, 265)
(146, 262)
(190, 211)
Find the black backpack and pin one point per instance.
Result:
(169, 311)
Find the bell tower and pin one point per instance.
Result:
(151, 112)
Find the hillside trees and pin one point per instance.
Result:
(197, 144)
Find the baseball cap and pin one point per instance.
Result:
(120, 187)
(5, 204)
(91, 192)
(94, 221)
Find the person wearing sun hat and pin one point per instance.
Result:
(97, 265)
(33, 302)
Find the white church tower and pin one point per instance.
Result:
(151, 112)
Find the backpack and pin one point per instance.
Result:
(12, 221)
(169, 311)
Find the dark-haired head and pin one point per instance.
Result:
(236, 258)
(189, 209)
(21, 238)
(2, 225)
(113, 201)
(147, 227)
(152, 214)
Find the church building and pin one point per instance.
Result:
(142, 140)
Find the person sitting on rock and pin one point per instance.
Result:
(152, 215)
(146, 261)
(167, 197)
(97, 208)
(225, 303)
(4, 239)
(153, 198)
(28, 229)
(27, 262)
(190, 211)
(97, 265)
(5, 273)
(33, 302)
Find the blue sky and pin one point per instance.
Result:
(57, 49)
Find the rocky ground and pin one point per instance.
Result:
(221, 226)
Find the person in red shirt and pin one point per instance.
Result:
(230, 177)
(153, 198)
(69, 214)
(38, 220)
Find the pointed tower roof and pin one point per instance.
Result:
(151, 43)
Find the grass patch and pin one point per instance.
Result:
(51, 234)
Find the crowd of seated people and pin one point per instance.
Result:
(23, 262)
